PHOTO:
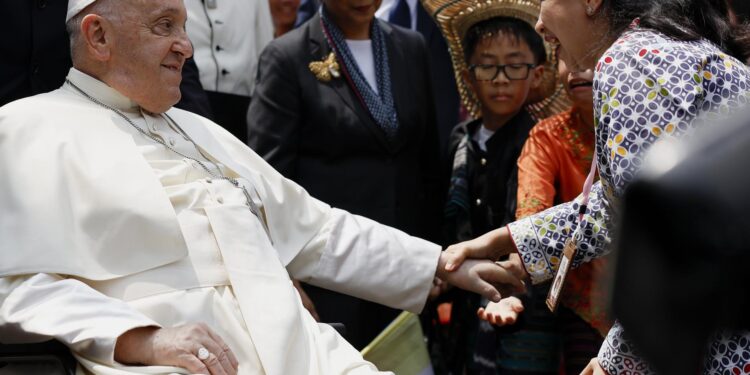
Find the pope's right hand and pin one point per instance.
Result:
(177, 346)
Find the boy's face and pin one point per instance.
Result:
(502, 96)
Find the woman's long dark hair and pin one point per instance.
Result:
(683, 20)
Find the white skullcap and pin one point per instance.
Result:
(76, 6)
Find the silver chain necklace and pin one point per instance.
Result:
(249, 201)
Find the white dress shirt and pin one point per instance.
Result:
(228, 37)
(362, 52)
(482, 136)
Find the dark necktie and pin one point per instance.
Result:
(401, 15)
(425, 24)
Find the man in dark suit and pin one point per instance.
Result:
(35, 54)
(411, 14)
(330, 136)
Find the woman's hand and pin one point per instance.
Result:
(307, 303)
(177, 346)
(484, 277)
(593, 368)
(491, 246)
(502, 313)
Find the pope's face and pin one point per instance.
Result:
(149, 48)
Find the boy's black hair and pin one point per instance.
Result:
(512, 27)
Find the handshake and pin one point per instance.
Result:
(473, 265)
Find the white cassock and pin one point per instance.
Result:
(104, 230)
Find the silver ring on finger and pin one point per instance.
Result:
(203, 354)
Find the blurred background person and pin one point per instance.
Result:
(228, 36)
(693, 186)
(343, 106)
(411, 14)
(306, 10)
(284, 15)
(551, 170)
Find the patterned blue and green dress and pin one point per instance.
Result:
(647, 87)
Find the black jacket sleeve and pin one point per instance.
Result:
(194, 99)
(274, 114)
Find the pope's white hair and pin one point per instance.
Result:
(104, 8)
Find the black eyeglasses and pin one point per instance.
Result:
(488, 72)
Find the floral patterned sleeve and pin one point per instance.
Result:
(540, 238)
(646, 87)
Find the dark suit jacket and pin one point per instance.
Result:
(321, 136)
(35, 54)
(447, 99)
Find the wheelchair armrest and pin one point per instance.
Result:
(50, 357)
(340, 328)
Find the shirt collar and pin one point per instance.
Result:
(101, 91)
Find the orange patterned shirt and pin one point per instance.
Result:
(551, 170)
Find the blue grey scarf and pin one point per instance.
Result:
(381, 106)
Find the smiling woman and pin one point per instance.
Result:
(661, 66)
(353, 17)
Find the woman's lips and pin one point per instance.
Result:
(363, 8)
(549, 38)
(580, 87)
(580, 83)
(501, 97)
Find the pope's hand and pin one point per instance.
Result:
(307, 302)
(502, 313)
(491, 245)
(484, 277)
(178, 346)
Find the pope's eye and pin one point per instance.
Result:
(163, 27)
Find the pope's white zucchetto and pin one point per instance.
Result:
(75, 7)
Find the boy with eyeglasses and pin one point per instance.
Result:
(504, 59)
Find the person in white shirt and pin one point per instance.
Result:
(227, 37)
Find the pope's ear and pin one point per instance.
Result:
(95, 35)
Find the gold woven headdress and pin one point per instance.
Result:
(455, 17)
